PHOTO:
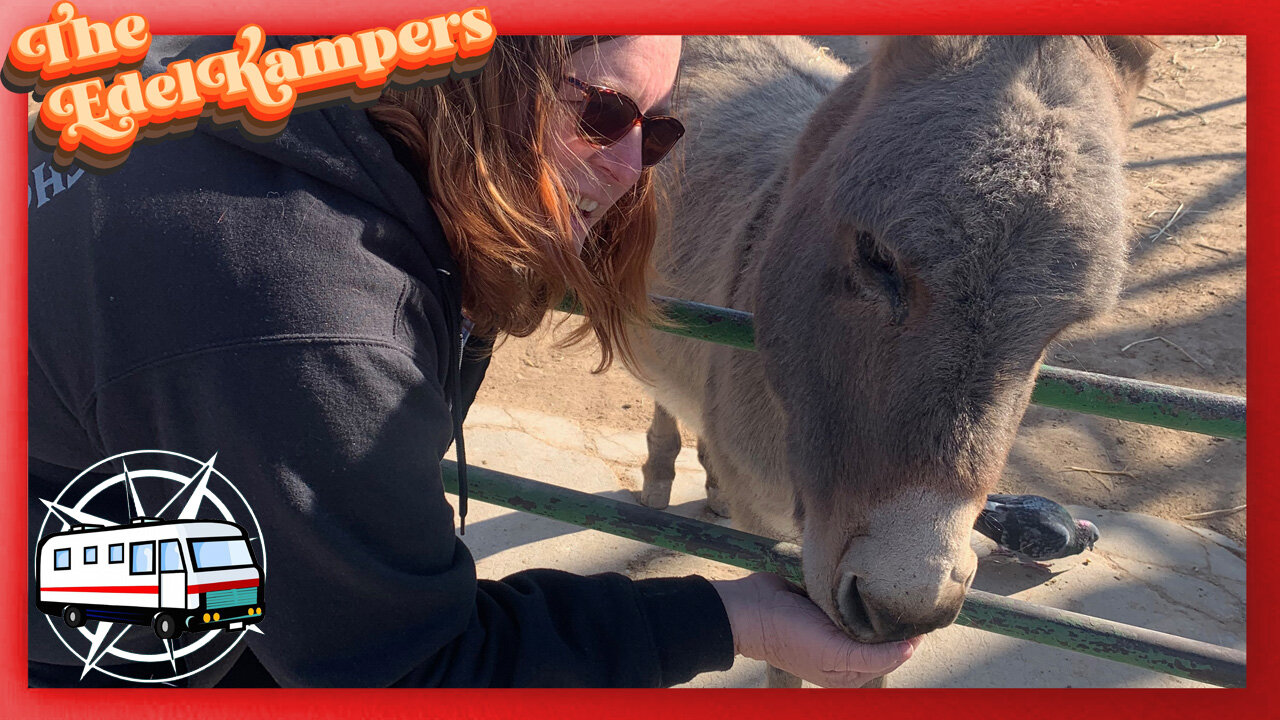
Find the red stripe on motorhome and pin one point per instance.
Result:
(117, 589)
(225, 585)
(191, 590)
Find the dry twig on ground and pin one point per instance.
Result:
(1175, 108)
(1164, 229)
(1214, 46)
(1169, 342)
(1094, 473)
(1210, 247)
(1211, 514)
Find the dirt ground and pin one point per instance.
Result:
(1181, 318)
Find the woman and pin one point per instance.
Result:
(297, 307)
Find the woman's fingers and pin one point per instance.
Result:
(845, 655)
(774, 623)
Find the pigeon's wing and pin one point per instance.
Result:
(1047, 507)
(1004, 499)
(1044, 539)
(1033, 503)
(994, 522)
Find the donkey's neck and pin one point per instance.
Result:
(748, 241)
(748, 101)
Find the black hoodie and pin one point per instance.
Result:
(292, 306)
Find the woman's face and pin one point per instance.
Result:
(642, 67)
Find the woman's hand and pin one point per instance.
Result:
(773, 622)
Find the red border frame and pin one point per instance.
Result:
(659, 16)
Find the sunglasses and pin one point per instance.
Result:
(606, 116)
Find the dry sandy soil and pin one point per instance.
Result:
(1186, 287)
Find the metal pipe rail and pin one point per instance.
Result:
(1139, 401)
(1136, 646)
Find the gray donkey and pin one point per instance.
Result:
(910, 236)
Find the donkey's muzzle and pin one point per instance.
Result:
(872, 619)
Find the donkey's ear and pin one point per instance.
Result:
(1131, 56)
(830, 117)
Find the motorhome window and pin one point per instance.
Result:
(143, 558)
(61, 559)
(91, 555)
(170, 556)
(115, 553)
(220, 553)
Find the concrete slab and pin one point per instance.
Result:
(560, 432)
(624, 447)
(1145, 571)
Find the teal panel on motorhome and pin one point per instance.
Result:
(231, 598)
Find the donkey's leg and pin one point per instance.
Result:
(775, 678)
(659, 468)
(715, 501)
(747, 520)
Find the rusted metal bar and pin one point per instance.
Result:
(1142, 648)
(1128, 644)
(725, 326)
(1179, 408)
(1139, 401)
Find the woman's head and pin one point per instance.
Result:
(503, 159)
(632, 73)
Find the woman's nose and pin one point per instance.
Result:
(621, 160)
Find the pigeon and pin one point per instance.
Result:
(1034, 528)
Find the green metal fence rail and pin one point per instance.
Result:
(1150, 403)
(1140, 647)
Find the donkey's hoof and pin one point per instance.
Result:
(880, 682)
(715, 501)
(718, 507)
(775, 678)
(658, 499)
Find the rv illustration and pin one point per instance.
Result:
(176, 576)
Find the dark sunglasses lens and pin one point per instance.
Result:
(606, 118)
(660, 135)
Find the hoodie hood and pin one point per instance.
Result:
(334, 144)
(340, 146)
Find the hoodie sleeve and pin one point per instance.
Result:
(336, 445)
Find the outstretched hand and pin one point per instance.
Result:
(772, 621)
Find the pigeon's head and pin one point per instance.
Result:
(1088, 532)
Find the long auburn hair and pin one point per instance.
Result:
(480, 146)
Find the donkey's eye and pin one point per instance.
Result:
(879, 272)
(874, 256)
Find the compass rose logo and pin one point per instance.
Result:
(161, 589)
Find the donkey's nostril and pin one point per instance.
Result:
(853, 610)
(869, 618)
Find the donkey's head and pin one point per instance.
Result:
(951, 208)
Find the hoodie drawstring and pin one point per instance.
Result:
(458, 441)
(454, 377)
